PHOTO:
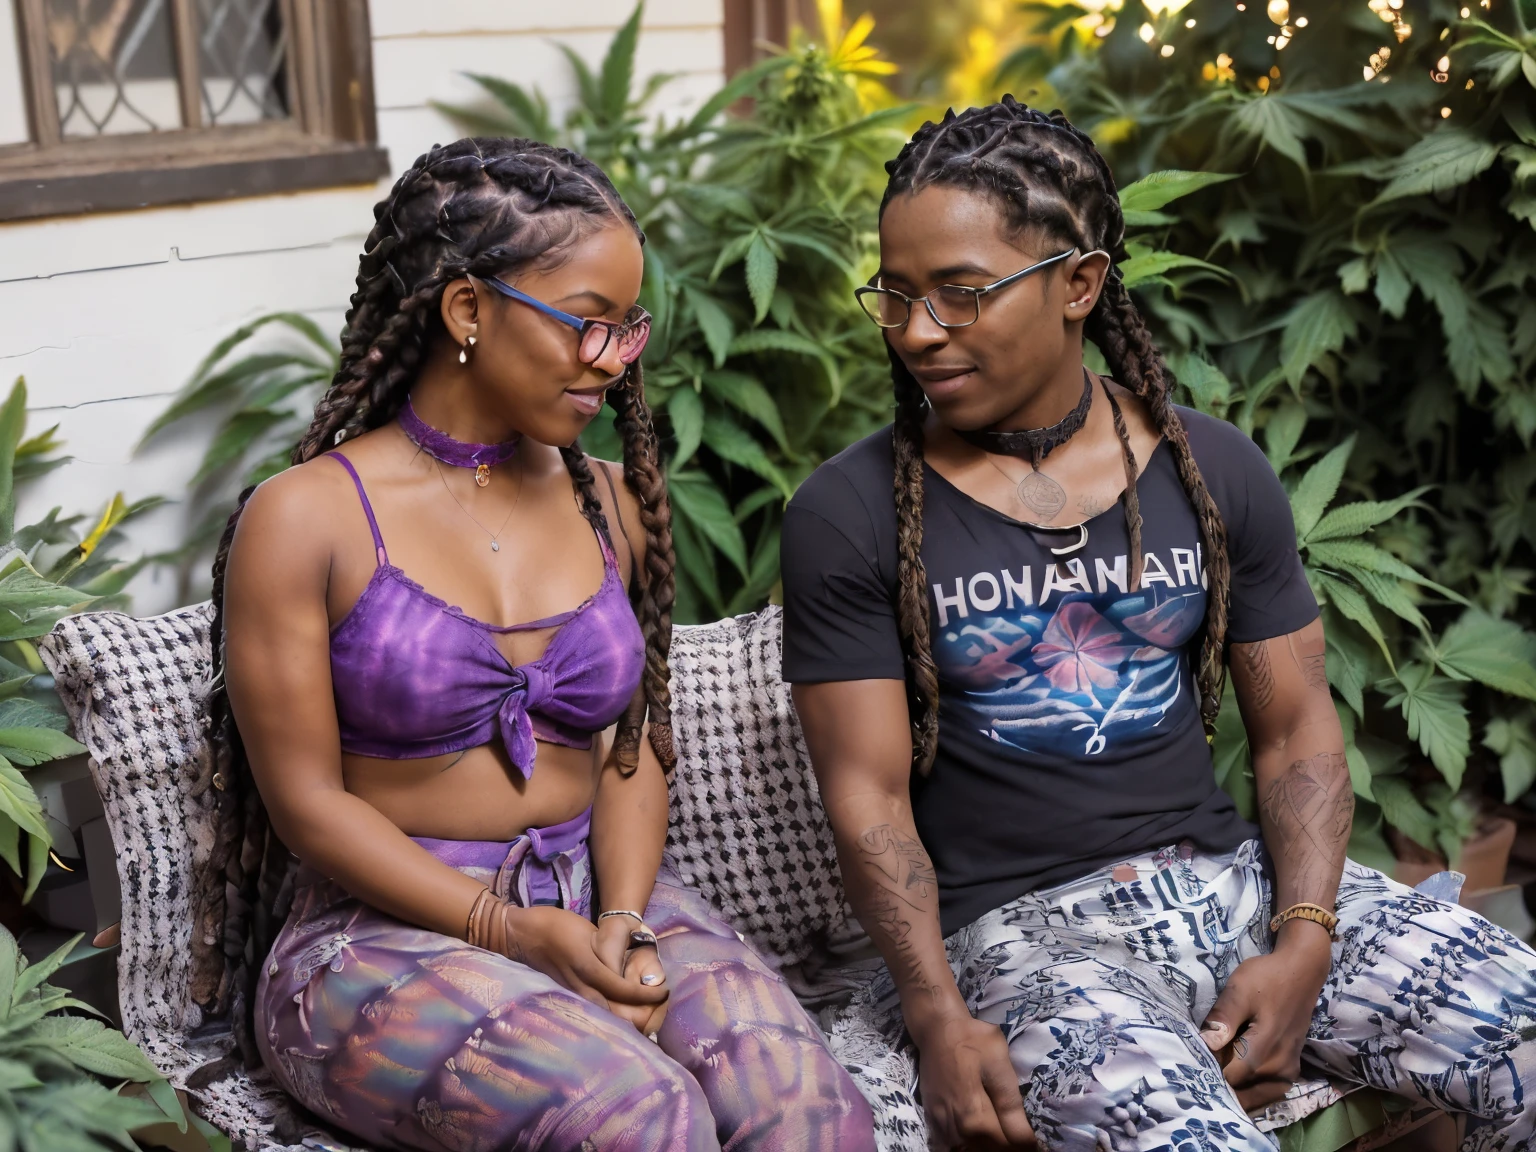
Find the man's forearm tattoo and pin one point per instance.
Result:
(900, 859)
(1306, 815)
(900, 884)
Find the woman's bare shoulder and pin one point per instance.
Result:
(294, 516)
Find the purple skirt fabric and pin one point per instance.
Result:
(413, 1040)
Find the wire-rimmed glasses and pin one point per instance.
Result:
(950, 305)
(593, 335)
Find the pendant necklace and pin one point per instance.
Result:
(495, 536)
(444, 449)
(1038, 491)
(455, 453)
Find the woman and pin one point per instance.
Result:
(426, 635)
(1089, 947)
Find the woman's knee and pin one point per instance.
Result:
(767, 1073)
(558, 1073)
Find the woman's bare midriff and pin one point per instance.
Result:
(478, 795)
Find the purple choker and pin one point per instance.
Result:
(455, 453)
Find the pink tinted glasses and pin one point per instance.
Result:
(593, 335)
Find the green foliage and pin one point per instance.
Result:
(1376, 332)
(263, 400)
(52, 1067)
(48, 570)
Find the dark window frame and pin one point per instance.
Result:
(751, 24)
(331, 138)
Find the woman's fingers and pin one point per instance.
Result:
(588, 993)
(644, 965)
(616, 987)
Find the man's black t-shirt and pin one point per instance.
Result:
(1069, 732)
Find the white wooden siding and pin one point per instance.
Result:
(107, 315)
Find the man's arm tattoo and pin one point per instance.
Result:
(1261, 677)
(1308, 812)
(1314, 667)
(900, 883)
(902, 860)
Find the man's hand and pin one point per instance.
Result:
(970, 1091)
(1260, 1020)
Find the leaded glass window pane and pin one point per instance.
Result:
(243, 52)
(114, 66)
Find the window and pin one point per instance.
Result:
(138, 102)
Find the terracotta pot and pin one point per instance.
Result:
(1484, 858)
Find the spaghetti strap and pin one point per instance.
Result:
(612, 491)
(606, 537)
(373, 525)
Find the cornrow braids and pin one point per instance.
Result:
(1048, 178)
(478, 207)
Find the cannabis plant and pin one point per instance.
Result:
(1373, 327)
(55, 1069)
(48, 570)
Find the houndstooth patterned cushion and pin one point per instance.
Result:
(747, 825)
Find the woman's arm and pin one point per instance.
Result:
(277, 665)
(857, 733)
(629, 816)
(629, 830)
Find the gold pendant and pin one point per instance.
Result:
(482, 474)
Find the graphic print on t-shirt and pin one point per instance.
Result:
(1084, 665)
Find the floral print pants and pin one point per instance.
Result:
(1100, 986)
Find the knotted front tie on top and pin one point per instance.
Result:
(416, 677)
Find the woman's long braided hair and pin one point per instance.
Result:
(481, 207)
(1048, 178)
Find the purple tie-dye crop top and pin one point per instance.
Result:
(415, 677)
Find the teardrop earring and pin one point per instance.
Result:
(469, 342)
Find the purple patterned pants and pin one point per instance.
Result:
(410, 1039)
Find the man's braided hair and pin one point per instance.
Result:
(478, 207)
(1049, 180)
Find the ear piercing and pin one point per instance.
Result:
(469, 342)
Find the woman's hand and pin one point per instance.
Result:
(563, 946)
(970, 1091)
(1259, 1023)
(634, 965)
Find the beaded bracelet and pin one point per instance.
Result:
(1313, 912)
